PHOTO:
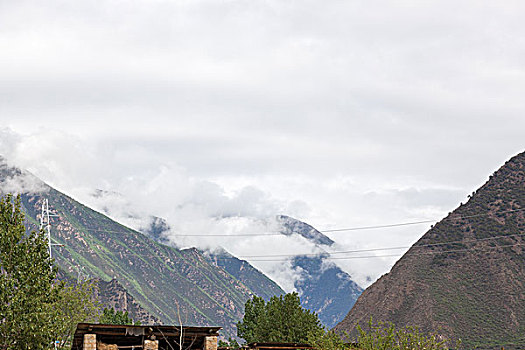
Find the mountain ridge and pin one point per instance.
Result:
(465, 277)
(110, 251)
(158, 277)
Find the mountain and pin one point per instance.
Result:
(162, 279)
(465, 278)
(242, 270)
(323, 287)
(156, 228)
(112, 295)
(291, 226)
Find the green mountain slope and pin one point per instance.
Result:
(465, 278)
(157, 276)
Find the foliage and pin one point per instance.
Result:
(282, 319)
(231, 343)
(326, 340)
(253, 321)
(77, 305)
(28, 293)
(35, 309)
(112, 316)
(385, 336)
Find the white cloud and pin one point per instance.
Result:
(136, 184)
(338, 113)
(19, 183)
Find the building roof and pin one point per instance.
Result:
(193, 337)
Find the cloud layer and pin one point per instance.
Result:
(217, 115)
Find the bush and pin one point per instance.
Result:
(385, 336)
(326, 340)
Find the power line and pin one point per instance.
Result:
(378, 226)
(357, 228)
(388, 248)
(415, 222)
(328, 257)
(396, 255)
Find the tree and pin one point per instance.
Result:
(35, 308)
(253, 322)
(28, 292)
(281, 319)
(77, 304)
(386, 336)
(326, 340)
(112, 316)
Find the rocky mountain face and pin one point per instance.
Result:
(465, 278)
(324, 287)
(166, 282)
(112, 294)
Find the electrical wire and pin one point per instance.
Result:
(388, 248)
(394, 255)
(414, 222)
(327, 256)
(357, 228)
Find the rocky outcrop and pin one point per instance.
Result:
(112, 294)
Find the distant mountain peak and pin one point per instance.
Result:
(324, 287)
(290, 226)
(16, 180)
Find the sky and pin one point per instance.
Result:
(219, 115)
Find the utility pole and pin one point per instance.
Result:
(45, 224)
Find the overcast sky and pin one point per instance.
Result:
(218, 114)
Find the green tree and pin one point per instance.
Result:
(252, 322)
(326, 340)
(28, 292)
(77, 304)
(112, 316)
(35, 309)
(385, 336)
(281, 319)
